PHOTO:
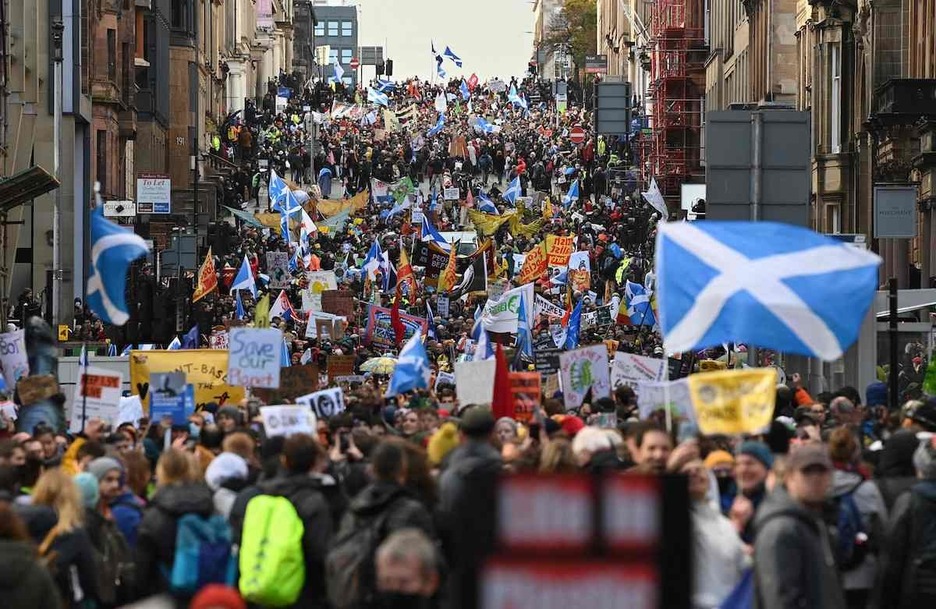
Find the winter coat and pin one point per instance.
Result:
(719, 559)
(156, 536)
(391, 502)
(127, 510)
(24, 582)
(903, 541)
(795, 566)
(873, 519)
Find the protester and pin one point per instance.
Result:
(24, 581)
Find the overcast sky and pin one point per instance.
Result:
(489, 35)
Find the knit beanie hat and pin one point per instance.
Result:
(757, 450)
(442, 442)
(224, 467)
(876, 394)
(718, 457)
(924, 459)
(217, 596)
(100, 466)
(88, 487)
(572, 424)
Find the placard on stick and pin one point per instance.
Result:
(295, 381)
(338, 302)
(254, 357)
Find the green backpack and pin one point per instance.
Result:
(272, 565)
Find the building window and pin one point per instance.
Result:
(833, 223)
(332, 28)
(112, 55)
(835, 98)
(346, 29)
(332, 56)
(101, 159)
(346, 55)
(320, 28)
(180, 14)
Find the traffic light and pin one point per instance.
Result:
(380, 68)
(388, 67)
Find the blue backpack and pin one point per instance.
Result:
(851, 536)
(202, 554)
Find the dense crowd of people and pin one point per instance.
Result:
(388, 504)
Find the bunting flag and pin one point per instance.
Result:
(207, 278)
(262, 312)
(449, 275)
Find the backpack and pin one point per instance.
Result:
(922, 564)
(114, 565)
(349, 565)
(851, 545)
(202, 554)
(272, 564)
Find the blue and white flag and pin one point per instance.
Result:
(483, 126)
(175, 345)
(339, 71)
(437, 128)
(373, 260)
(513, 191)
(278, 191)
(463, 89)
(524, 334)
(483, 349)
(514, 98)
(239, 306)
(486, 205)
(376, 97)
(385, 86)
(126, 351)
(572, 196)
(430, 320)
(412, 369)
(575, 326)
(429, 233)
(244, 280)
(639, 306)
(451, 55)
(285, 358)
(765, 284)
(113, 249)
(438, 59)
(111, 350)
(82, 356)
(191, 338)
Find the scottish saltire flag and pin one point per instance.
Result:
(429, 233)
(575, 326)
(513, 191)
(339, 72)
(113, 248)
(437, 128)
(389, 273)
(373, 260)
(239, 306)
(524, 335)
(463, 89)
(765, 284)
(111, 351)
(479, 335)
(438, 59)
(451, 55)
(485, 127)
(655, 198)
(572, 196)
(191, 338)
(514, 98)
(126, 351)
(639, 307)
(82, 356)
(175, 345)
(285, 358)
(385, 86)
(412, 368)
(306, 357)
(278, 190)
(376, 97)
(282, 308)
(487, 206)
(430, 319)
(244, 280)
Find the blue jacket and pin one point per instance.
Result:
(127, 511)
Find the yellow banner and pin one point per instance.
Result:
(205, 369)
(330, 207)
(560, 249)
(269, 220)
(487, 224)
(733, 401)
(534, 265)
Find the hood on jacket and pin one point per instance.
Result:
(189, 498)
(13, 562)
(39, 519)
(780, 503)
(897, 455)
(844, 482)
(376, 497)
(287, 485)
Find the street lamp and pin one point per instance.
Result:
(58, 28)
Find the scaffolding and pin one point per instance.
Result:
(671, 149)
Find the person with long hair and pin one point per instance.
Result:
(55, 521)
(24, 582)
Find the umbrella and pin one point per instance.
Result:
(379, 365)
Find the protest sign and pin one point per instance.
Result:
(287, 420)
(666, 395)
(534, 265)
(558, 250)
(14, 361)
(496, 288)
(172, 397)
(474, 382)
(546, 360)
(130, 411)
(294, 382)
(319, 281)
(351, 378)
(442, 306)
(733, 401)
(628, 367)
(544, 307)
(580, 271)
(525, 389)
(34, 389)
(443, 378)
(584, 369)
(205, 369)
(97, 396)
(312, 328)
(502, 315)
(450, 194)
(338, 302)
(218, 339)
(278, 270)
(340, 365)
(326, 403)
(254, 357)
(379, 330)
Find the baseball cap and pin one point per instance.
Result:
(809, 455)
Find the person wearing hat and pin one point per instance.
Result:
(908, 570)
(793, 550)
(721, 463)
(116, 502)
(752, 467)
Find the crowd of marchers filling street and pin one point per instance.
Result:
(448, 348)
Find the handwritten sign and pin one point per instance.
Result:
(450, 194)
(218, 339)
(585, 369)
(326, 403)
(559, 249)
(287, 420)
(379, 330)
(33, 389)
(205, 369)
(130, 411)
(733, 401)
(442, 306)
(340, 365)
(97, 396)
(667, 395)
(534, 265)
(14, 362)
(294, 382)
(254, 357)
(338, 302)
(278, 270)
(629, 367)
(525, 388)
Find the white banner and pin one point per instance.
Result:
(502, 315)
(326, 403)
(544, 307)
(584, 369)
(14, 362)
(287, 420)
(673, 394)
(442, 306)
(474, 382)
(627, 368)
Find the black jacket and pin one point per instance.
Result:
(72, 551)
(395, 504)
(24, 583)
(912, 523)
(156, 539)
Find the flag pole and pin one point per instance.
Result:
(82, 378)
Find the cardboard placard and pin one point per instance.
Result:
(584, 369)
(14, 362)
(205, 369)
(254, 357)
(326, 403)
(97, 396)
(295, 381)
(474, 382)
(278, 270)
(218, 340)
(627, 368)
(442, 306)
(287, 420)
(525, 388)
(546, 361)
(34, 389)
(340, 365)
(338, 302)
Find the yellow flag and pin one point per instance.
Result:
(262, 312)
(449, 274)
(487, 224)
(534, 265)
(548, 209)
(733, 401)
(207, 279)
(330, 207)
